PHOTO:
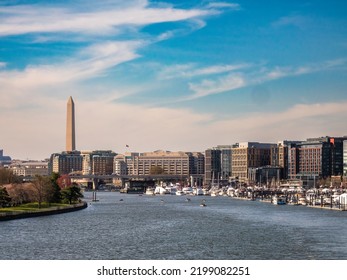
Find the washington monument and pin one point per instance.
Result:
(70, 126)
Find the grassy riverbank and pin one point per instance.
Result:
(32, 207)
(32, 210)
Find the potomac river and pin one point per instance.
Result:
(131, 226)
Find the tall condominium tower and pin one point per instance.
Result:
(70, 126)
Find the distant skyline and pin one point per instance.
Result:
(170, 75)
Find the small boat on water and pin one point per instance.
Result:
(302, 201)
(149, 191)
(203, 203)
(278, 200)
(179, 192)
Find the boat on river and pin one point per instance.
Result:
(278, 200)
(149, 191)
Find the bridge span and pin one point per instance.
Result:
(129, 180)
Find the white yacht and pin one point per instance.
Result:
(160, 190)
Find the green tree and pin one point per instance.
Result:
(5, 199)
(71, 194)
(55, 196)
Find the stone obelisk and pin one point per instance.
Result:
(70, 126)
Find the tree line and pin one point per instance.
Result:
(42, 189)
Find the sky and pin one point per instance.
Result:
(170, 75)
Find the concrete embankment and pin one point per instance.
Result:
(43, 212)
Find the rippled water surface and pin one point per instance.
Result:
(169, 227)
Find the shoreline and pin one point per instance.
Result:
(43, 212)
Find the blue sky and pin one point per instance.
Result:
(172, 75)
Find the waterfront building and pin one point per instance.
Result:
(249, 154)
(212, 165)
(279, 156)
(65, 162)
(120, 165)
(102, 162)
(158, 162)
(315, 158)
(29, 168)
(196, 168)
(345, 158)
(265, 175)
(97, 162)
(218, 164)
(196, 163)
(4, 160)
(225, 162)
(70, 126)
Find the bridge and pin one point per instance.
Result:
(131, 179)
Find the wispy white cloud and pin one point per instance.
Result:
(281, 72)
(223, 84)
(292, 20)
(193, 70)
(234, 6)
(255, 76)
(90, 62)
(3, 64)
(42, 19)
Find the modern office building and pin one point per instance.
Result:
(247, 155)
(265, 175)
(196, 163)
(70, 126)
(315, 158)
(279, 156)
(212, 166)
(345, 158)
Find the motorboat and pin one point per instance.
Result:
(171, 190)
(278, 200)
(179, 192)
(198, 191)
(302, 201)
(149, 191)
(160, 190)
(187, 190)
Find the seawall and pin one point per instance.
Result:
(43, 212)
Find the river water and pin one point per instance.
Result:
(130, 226)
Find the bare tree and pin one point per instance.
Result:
(20, 193)
(41, 186)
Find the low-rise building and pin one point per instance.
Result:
(30, 168)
